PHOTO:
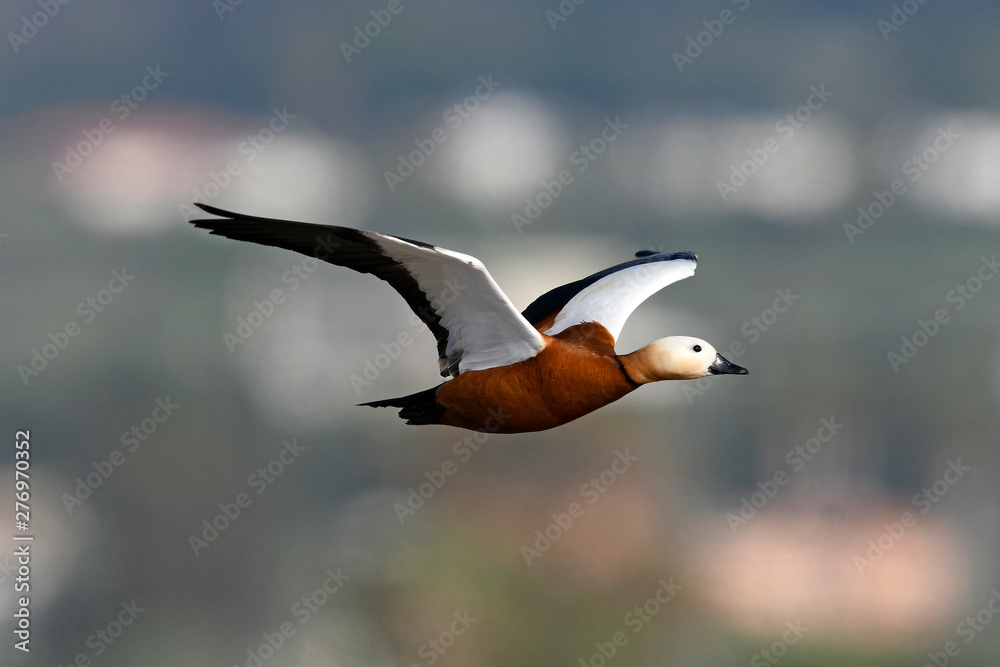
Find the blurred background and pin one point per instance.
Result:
(204, 490)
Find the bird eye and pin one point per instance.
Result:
(697, 348)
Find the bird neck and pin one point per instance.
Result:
(638, 367)
(652, 363)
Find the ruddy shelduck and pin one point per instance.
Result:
(507, 372)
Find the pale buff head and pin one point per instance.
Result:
(678, 358)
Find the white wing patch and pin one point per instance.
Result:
(610, 300)
(485, 330)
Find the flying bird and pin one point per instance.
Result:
(507, 372)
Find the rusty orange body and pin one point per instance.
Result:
(577, 372)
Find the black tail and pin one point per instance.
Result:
(418, 409)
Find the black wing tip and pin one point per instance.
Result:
(225, 218)
(214, 210)
(213, 224)
(667, 256)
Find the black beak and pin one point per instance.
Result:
(722, 366)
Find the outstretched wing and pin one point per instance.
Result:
(609, 297)
(475, 324)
